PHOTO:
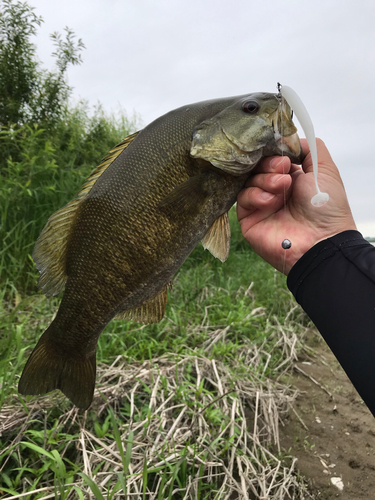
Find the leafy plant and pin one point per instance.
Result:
(29, 93)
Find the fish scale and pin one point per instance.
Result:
(115, 248)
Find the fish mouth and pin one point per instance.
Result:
(285, 134)
(286, 145)
(291, 146)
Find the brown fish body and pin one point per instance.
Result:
(116, 248)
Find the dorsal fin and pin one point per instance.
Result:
(105, 163)
(50, 248)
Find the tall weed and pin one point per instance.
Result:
(40, 171)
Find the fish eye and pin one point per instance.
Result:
(250, 107)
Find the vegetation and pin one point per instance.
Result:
(187, 408)
(48, 171)
(181, 408)
(29, 93)
(46, 147)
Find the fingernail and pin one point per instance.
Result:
(275, 162)
(277, 177)
(267, 196)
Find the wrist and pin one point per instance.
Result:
(304, 246)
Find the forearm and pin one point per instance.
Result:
(334, 282)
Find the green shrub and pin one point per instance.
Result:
(48, 173)
(47, 148)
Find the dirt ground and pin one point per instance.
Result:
(332, 432)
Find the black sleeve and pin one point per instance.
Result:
(334, 282)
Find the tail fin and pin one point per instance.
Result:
(49, 368)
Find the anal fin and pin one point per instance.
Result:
(151, 311)
(217, 238)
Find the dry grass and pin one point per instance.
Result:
(194, 427)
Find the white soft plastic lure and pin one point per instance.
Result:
(300, 110)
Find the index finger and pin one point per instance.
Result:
(274, 165)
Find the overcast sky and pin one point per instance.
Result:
(152, 56)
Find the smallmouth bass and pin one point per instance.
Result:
(115, 248)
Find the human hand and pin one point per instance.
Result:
(276, 205)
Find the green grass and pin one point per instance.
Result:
(44, 449)
(204, 290)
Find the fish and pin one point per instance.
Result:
(115, 248)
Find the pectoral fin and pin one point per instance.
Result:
(187, 198)
(217, 238)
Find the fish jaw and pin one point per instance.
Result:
(285, 133)
(291, 146)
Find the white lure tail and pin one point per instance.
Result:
(300, 110)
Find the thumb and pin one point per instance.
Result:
(325, 162)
